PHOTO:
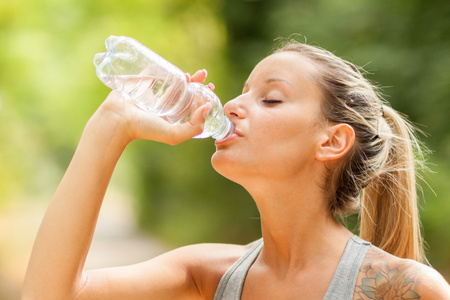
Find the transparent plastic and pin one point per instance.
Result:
(155, 85)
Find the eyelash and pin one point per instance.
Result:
(271, 101)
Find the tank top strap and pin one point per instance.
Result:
(232, 282)
(342, 285)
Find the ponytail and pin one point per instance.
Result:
(389, 209)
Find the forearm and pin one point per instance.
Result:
(66, 231)
(63, 241)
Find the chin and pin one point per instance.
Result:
(226, 166)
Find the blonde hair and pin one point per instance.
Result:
(378, 175)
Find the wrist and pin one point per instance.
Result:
(107, 129)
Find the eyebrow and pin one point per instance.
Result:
(270, 80)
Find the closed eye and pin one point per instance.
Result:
(271, 101)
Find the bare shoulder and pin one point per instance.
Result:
(208, 262)
(384, 276)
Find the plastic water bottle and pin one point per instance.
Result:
(155, 85)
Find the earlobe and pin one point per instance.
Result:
(338, 141)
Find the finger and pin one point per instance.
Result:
(188, 77)
(200, 114)
(211, 86)
(199, 76)
(188, 130)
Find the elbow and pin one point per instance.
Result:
(49, 288)
(43, 294)
(30, 294)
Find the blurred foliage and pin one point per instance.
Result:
(48, 90)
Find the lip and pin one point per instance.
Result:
(234, 136)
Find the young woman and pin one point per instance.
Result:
(313, 142)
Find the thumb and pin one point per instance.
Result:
(193, 127)
(200, 114)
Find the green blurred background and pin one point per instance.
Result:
(48, 90)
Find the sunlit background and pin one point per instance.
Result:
(164, 196)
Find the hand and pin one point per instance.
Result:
(128, 122)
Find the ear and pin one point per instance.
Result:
(336, 143)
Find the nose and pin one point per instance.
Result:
(234, 109)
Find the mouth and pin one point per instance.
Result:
(234, 136)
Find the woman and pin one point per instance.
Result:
(311, 135)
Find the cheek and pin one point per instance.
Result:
(274, 145)
(289, 144)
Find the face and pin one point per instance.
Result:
(277, 121)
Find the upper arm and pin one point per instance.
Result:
(191, 272)
(168, 276)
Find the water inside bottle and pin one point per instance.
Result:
(159, 94)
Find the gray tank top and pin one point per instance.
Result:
(342, 285)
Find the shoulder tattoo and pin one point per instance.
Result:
(384, 277)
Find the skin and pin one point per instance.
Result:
(279, 153)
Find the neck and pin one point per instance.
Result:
(297, 226)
